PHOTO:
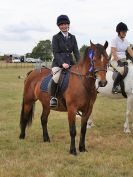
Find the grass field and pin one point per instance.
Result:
(110, 151)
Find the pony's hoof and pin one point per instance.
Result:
(127, 130)
(22, 136)
(73, 151)
(90, 125)
(82, 149)
(46, 140)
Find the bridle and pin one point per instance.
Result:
(100, 69)
(91, 70)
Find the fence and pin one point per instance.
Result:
(24, 65)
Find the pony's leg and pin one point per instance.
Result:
(83, 129)
(27, 113)
(128, 114)
(72, 130)
(44, 121)
(82, 135)
(90, 122)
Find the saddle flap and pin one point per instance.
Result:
(63, 81)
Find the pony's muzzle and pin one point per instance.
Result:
(102, 83)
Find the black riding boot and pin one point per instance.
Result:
(116, 87)
(53, 101)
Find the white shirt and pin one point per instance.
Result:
(121, 46)
(64, 34)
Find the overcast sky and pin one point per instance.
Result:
(23, 23)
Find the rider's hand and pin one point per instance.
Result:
(65, 65)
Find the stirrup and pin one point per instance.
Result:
(116, 90)
(53, 102)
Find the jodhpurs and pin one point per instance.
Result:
(56, 71)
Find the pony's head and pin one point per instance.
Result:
(98, 58)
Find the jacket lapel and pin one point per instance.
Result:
(61, 35)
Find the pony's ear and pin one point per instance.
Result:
(93, 46)
(106, 44)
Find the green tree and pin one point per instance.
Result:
(82, 50)
(1, 57)
(43, 50)
(28, 55)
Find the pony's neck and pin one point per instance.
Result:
(84, 65)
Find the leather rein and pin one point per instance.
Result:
(90, 74)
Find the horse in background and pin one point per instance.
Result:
(107, 91)
(80, 94)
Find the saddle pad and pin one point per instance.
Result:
(45, 82)
(62, 85)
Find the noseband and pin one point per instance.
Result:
(99, 69)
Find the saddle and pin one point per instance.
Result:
(62, 84)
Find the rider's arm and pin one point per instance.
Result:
(58, 56)
(114, 54)
(130, 51)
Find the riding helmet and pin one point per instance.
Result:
(63, 19)
(121, 27)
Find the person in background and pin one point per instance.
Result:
(119, 46)
(64, 44)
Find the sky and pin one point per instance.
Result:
(23, 23)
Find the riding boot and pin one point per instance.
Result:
(116, 88)
(53, 101)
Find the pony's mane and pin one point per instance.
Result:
(86, 51)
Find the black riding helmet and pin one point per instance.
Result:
(63, 19)
(121, 27)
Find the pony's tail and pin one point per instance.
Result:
(26, 117)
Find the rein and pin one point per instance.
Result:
(82, 75)
(89, 75)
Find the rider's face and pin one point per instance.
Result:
(122, 34)
(64, 27)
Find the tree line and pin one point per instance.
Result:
(43, 50)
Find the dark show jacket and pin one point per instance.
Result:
(63, 49)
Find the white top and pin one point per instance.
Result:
(65, 34)
(121, 46)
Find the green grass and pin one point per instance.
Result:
(110, 151)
